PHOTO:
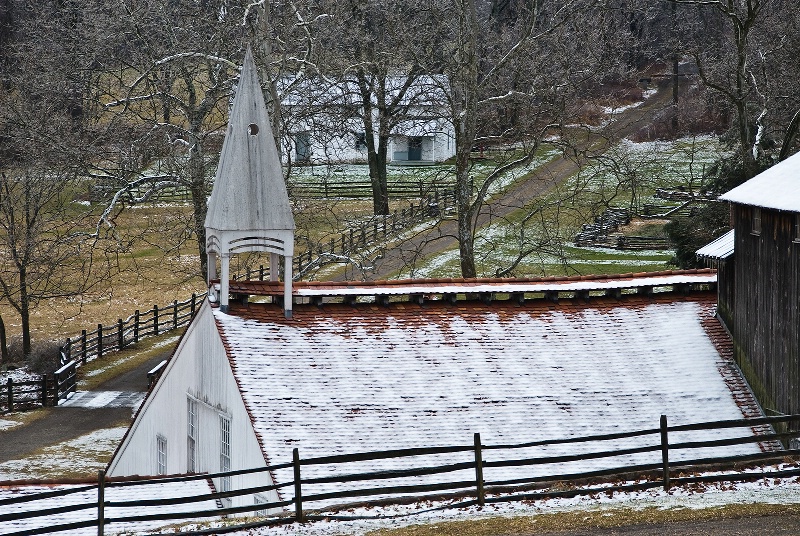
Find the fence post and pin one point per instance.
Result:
(56, 388)
(10, 393)
(155, 320)
(174, 314)
(665, 451)
(194, 305)
(136, 326)
(83, 346)
(298, 495)
(120, 334)
(101, 499)
(479, 470)
(44, 391)
(68, 350)
(99, 341)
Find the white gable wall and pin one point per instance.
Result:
(199, 370)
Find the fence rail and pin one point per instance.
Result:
(472, 469)
(323, 189)
(121, 334)
(377, 229)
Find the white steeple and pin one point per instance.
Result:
(249, 208)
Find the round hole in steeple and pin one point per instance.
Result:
(252, 129)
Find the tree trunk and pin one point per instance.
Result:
(197, 181)
(376, 156)
(3, 343)
(465, 102)
(24, 311)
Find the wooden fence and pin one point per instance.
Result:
(108, 338)
(337, 189)
(323, 189)
(45, 391)
(377, 229)
(373, 486)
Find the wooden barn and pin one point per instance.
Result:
(759, 283)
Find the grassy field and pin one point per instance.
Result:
(626, 177)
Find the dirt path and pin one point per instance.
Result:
(65, 423)
(443, 237)
(777, 525)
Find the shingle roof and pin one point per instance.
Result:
(344, 379)
(777, 188)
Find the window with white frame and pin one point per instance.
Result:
(756, 230)
(191, 435)
(161, 455)
(225, 451)
(260, 499)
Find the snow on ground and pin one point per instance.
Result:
(83, 455)
(82, 496)
(766, 491)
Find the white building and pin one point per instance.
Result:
(324, 123)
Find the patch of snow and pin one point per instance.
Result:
(766, 491)
(85, 454)
(8, 425)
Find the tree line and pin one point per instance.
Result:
(137, 92)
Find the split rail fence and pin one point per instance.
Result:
(45, 391)
(352, 488)
(108, 338)
(378, 229)
(323, 189)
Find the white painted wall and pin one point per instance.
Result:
(199, 369)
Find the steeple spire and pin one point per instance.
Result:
(249, 208)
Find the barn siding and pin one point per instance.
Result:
(766, 314)
(200, 369)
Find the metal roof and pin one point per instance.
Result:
(719, 249)
(776, 188)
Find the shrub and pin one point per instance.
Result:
(45, 356)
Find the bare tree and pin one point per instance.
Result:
(489, 70)
(742, 49)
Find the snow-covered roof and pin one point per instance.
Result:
(776, 188)
(249, 192)
(83, 494)
(721, 248)
(351, 378)
(525, 285)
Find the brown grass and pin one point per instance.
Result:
(592, 519)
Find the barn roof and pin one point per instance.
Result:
(776, 188)
(353, 377)
(249, 192)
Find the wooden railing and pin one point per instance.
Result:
(45, 391)
(472, 465)
(377, 229)
(121, 334)
(321, 189)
